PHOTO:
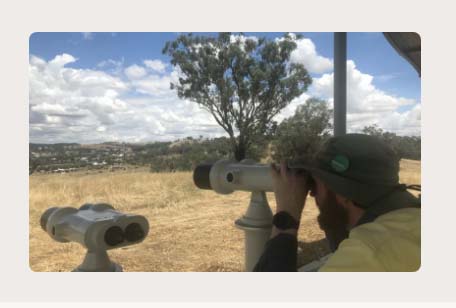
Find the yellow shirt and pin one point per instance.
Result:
(391, 243)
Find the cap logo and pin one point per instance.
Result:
(340, 163)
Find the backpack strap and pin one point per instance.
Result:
(387, 203)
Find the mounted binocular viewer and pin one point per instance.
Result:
(97, 227)
(225, 177)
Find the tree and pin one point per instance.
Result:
(372, 130)
(299, 137)
(243, 82)
(405, 146)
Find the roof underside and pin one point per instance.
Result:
(408, 45)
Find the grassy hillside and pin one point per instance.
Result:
(190, 229)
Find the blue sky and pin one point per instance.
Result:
(378, 74)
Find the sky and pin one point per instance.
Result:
(98, 87)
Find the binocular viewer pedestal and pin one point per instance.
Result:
(98, 261)
(257, 225)
(225, 177)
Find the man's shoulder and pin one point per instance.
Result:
(405, 215)
(390, 226)
(390, 243)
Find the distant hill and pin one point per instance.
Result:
(182, 154)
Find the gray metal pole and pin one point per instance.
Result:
(340, 83)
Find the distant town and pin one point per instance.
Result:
(179, 155)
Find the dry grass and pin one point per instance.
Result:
(190, 229)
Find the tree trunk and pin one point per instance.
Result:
(239, 152)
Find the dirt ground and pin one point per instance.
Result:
(191, 230)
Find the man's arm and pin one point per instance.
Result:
(280, 255)
(290, 189)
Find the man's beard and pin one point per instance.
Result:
(333, 219)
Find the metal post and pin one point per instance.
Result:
(340, 83)
(98, 261)
(257, 225)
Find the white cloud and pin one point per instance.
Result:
(156, 85)
(153, 85)
(113, 67)
(368, 105)
(94, 105)
(169, 118)
(80, 105)
(61, 60)
(405, 123)
(107, 63)
(155, 65)
(291, 108)
(135, 72)
(242, 38)
(68, 104)
(88, 35)
(306, 54)
(386, 77)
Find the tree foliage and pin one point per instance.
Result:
(408, 147)
(186, 154)
(243, 82)
(299, 137)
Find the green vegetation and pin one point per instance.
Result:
(300, 136)
(405, 146)
(242, 82)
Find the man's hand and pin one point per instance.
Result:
(290, 189)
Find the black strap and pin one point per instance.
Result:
(370, 215)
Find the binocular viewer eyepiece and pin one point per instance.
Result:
(95, 226)
(226, 176)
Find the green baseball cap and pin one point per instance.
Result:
(362, 168)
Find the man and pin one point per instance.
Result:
(371, 221)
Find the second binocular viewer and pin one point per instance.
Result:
(98, 227)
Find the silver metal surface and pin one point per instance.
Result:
(257, 226)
